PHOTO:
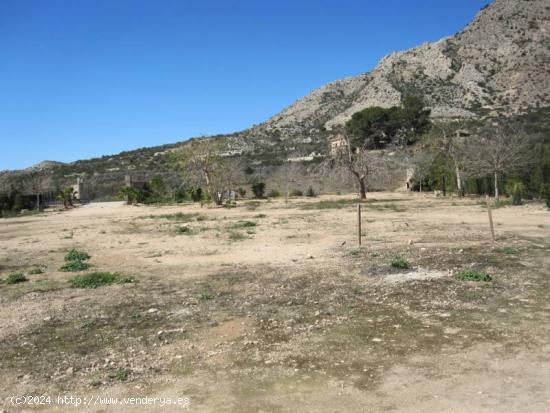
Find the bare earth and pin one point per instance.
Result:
(270, 307)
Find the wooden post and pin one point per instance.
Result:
(490, 219)
(359, 223)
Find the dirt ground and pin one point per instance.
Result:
(269, 307)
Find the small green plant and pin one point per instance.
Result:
(508, 250)
(184, 230)
(296, 192)
(243, 224)
(73, 266)
(205, 296)
(273, 194)
(260, 216)
(310, 192)
(15, 278)
(75, 255)
(119, 374)
(98, 279)
(401, 263)
(473, 275)
(516, 190)
(356, 251)
(36, 271)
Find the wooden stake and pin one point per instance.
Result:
(359, 223)
(490, 220)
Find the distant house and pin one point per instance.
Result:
(80, 190)
(337, 144)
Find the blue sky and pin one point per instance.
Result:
(85, 78)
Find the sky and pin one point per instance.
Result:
(86, 78)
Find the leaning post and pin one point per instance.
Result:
(359, 223)
(490, 213)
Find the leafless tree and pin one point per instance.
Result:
(365, 166)
(447, 138)
(497, 149)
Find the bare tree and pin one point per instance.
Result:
(498, 149)
(363, 165)
(448, 139)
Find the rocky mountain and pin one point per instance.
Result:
(498, 65)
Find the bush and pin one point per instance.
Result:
(241, 192)
(545, 193)
(243, 224)
(516, 190)
(15, 278)
(35, 271)
(73, 266)
(98, 279)
(184, 230)
(401, 263)
(472, 275)
(196, 194)
(75, 255)
(310, 192)
(274, 194)
(296, 192)
(258, 189)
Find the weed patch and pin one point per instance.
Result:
(75, 255)
(99, 279)
(472, 275)
(400, 263)
(15, 278)
(73, 266)
(184, 230)
(508, 250)
(243, 224)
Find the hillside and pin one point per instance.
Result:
(498, 65)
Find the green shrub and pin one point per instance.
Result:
(296, 192)
(205, 296)
(184, 230)
(15, 278)
(508, 250)
(73, 266)
(258, 189)
(472, 275)
(260, 216)
(310, 192)
(274, 194)
(545, 193)
(119, 374)
(243, 224)
(516, 190)
(36, 271)
(98, 279)
(75, 255)
(401, 263)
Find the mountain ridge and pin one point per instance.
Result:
(495, 66)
